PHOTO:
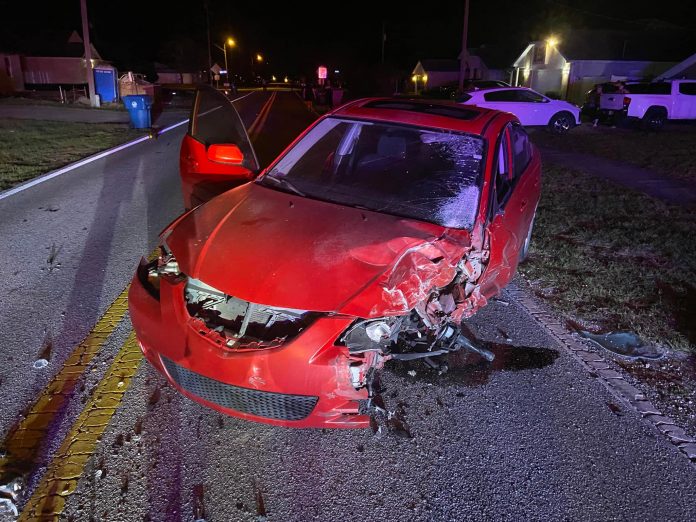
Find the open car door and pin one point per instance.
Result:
(216, 153)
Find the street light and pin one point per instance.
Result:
(231, 43)
(255, 58)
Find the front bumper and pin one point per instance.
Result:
(304, 383)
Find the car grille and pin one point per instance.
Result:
(271, 405)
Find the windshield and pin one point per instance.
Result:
(423, 174)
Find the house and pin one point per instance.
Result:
(568, 66)
(58, 64)
(437, 73)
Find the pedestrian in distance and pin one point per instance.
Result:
(620, 115)
(308, 95)
(596, 100)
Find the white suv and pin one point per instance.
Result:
(529, 106)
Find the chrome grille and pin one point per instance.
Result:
(270, 405)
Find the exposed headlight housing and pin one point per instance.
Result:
(151, 272)
(371, 334)
(166, 262)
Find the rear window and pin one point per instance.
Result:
(649, 88)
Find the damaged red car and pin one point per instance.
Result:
(370, 238)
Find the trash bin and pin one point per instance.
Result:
(138, 106)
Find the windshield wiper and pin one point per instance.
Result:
(285, 183)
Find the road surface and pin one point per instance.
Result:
(534, 436)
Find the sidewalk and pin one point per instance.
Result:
(76, 114)
(647, 181)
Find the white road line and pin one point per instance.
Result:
(90, 159)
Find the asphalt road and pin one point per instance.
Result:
(533, 437)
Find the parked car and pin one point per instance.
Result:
(369, 239)
(654, 103)
(532, 108)
(589, 107)
(485, 84)
(450, 91)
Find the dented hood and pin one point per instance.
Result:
(278, 249)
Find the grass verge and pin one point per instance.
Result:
(613, 259)
(670, 151)
(29, 148)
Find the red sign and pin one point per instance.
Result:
(321, 72)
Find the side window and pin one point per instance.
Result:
(521, 149)
(502, 95)
(503, 170)
(688, 88)
(530, 96)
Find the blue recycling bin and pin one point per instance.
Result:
(138, 107)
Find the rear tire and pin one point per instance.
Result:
(561, 122)
(654, 119)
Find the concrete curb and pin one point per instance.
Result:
(598, 367)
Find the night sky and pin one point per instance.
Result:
(296, 36)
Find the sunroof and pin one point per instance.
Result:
(448, 111)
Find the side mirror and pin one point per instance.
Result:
(227, 153)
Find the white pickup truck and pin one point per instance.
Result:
(654, 103)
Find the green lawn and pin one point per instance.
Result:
(670, 151)
(609, 258)
(29, 148)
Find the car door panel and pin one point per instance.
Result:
(213, 121)
(510, 222)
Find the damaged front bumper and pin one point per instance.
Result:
(308, 381)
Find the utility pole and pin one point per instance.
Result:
(384, 39)
(465, 53)
(207, 27)
(88, 54)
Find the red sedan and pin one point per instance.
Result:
(370, 238)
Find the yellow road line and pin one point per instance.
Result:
(24, 442)
(260, 120)
(64, 471)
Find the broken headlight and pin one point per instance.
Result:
(372, 334)
(166, 262)
(150, 272)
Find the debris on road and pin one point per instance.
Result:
(626, 344)
(10, 495)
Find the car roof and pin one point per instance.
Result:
(437, 114)
(501, 88)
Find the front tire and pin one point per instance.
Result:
(561, 122)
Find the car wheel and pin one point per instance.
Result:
(654, 119)
(561, 122)
(527, 241)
